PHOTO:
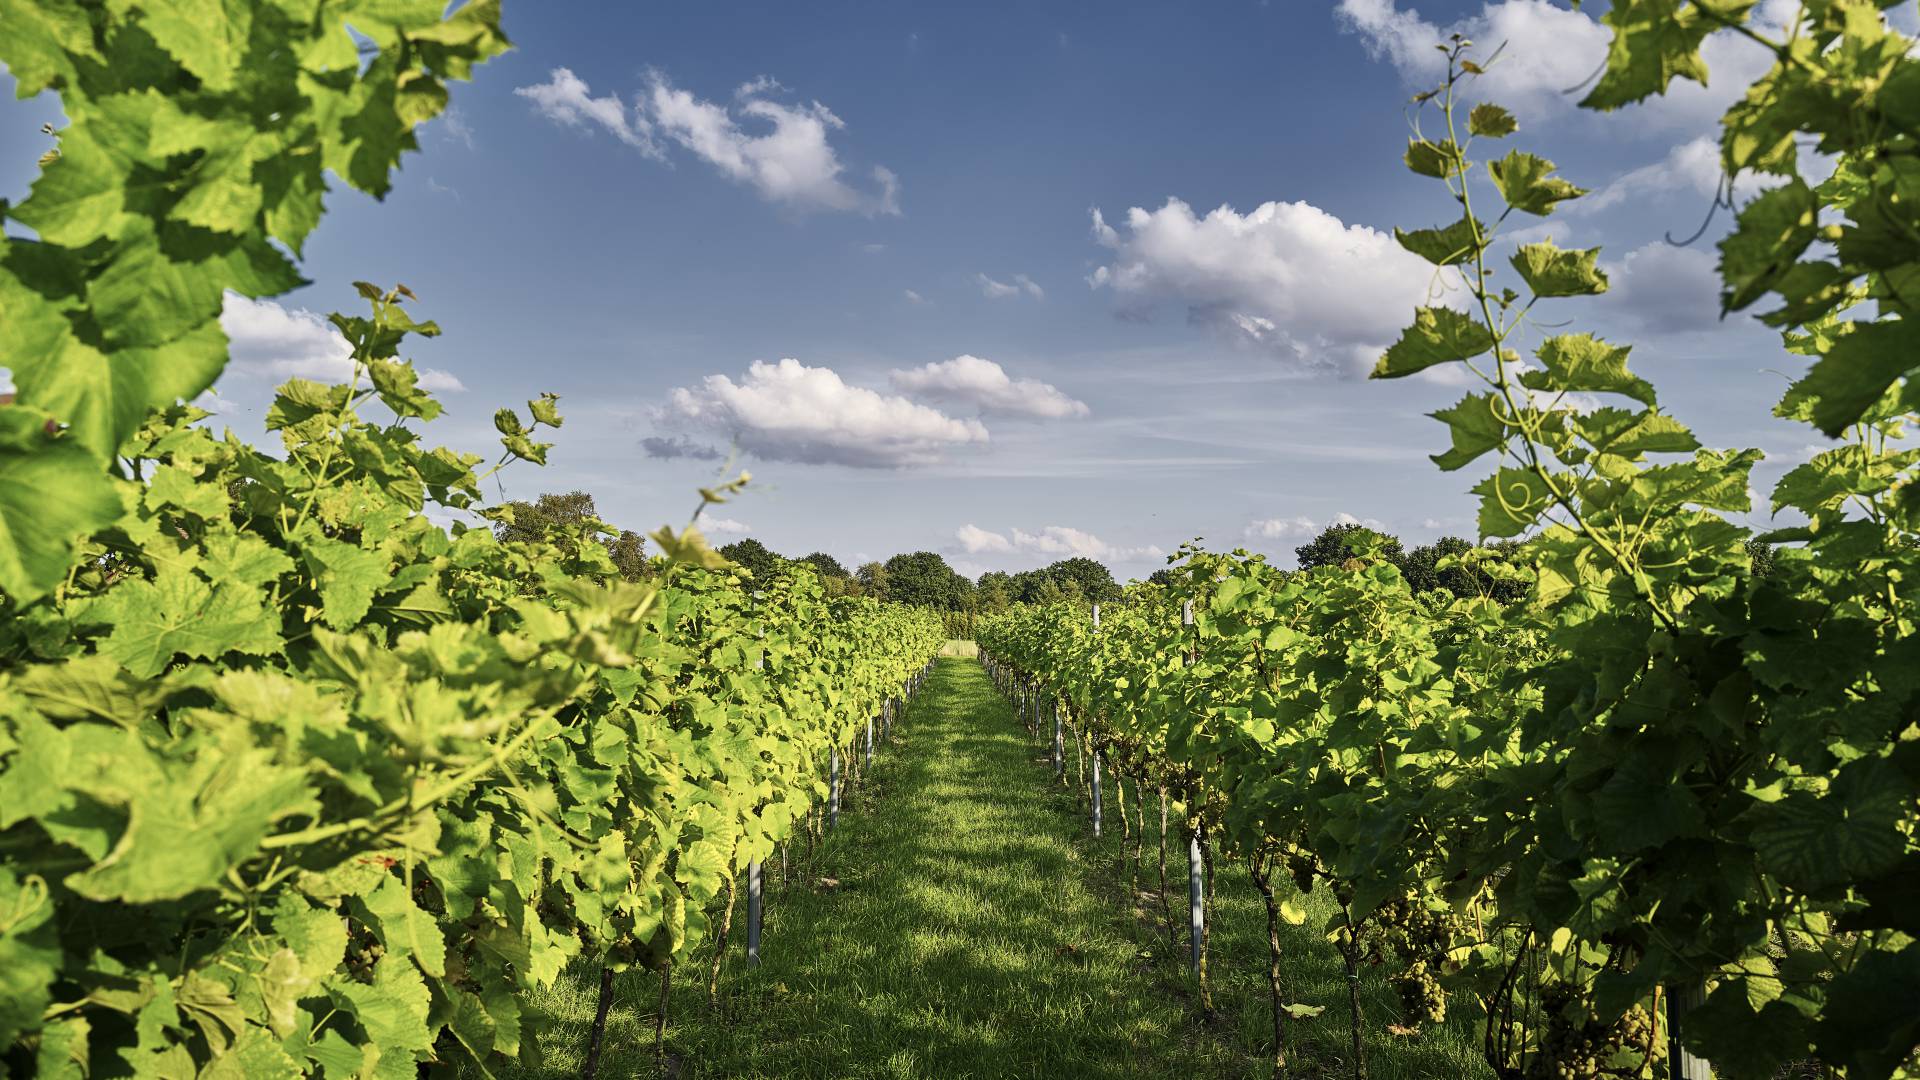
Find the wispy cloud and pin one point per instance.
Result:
(788, 160)
(1021, 285)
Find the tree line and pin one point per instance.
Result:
(925, 579)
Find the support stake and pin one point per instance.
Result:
(755, 888)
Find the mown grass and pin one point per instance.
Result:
(963, 923)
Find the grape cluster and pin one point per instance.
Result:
(363, 952)
(1414, 939)
(1585, 1050)
(1300, 865)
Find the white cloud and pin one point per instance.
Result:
(717, 526)
(985, 384)
(1057, 541)
(1693, 167)
(1665, 288)
(1551, 50)
(791, 412)
(915, 298)
(1287, 278)
(1301, 527)
(566, 99)
(790, 162)
(1281, 528)
(1061, 540)
(453, 125)
(755, 87)
(271, 341)
(1000, 290)
(975, 540)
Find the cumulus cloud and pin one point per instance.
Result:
(787, 159)
(788, 411)
(915, 298)
(1053, 540)
(1664, 288)
(566, 99)
(1022, 285)
(270, 341)
(1550, 50)
(789, 162)
(986, 385)
(1301, 527)
(1287, 278)
(721, 526)
(975, 540)
(1691, 168)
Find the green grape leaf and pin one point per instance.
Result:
(407, 930)
(1437, 336)
(1853, 830)
(29, 952)
(44, 38)
(1629, 434)
(1857, 371)
(1639, 808)
(1447, 246)
(187, 823)
(243, 559)
(1527, 182)
(545, 410)
(1551, 272)
(1654, 42)
(39, 533)
(208, 37)
(89, 687)
(1584, 363)
(346, 577)
(180, 488)
(1511, 500)
(398, 387)
(1769, 236)
(1491, 121)
(1869, 1025)
(1475, 424)
(1713, 480)
(1438, 160)
(178, 614)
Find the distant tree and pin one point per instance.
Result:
(755, 557)
(827, 565)
(993, 593)
(925, 579)
(1467, 579)
(1330, 547)
(1162, 577)
(1094, 580)
(1759, 557)
(873, 580)
(629, 553)
(536, 521)
(1420, 568)
(1057, 590)
(1025, 586)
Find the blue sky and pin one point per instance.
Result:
(604, 216)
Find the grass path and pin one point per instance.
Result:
(963, 924)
